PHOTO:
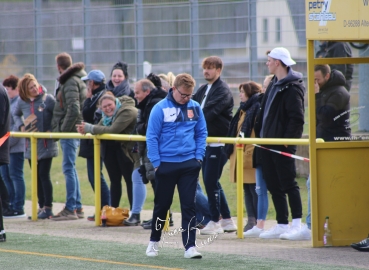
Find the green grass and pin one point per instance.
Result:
(58, 181)
(27, 251)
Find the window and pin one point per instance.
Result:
(278, 30)
(265, 30)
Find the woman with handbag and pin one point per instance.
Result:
(119, 116)
(36, 107)
(242, 125)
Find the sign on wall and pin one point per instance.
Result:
(337, 19)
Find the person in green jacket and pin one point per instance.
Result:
(70, 95)
(119, 117)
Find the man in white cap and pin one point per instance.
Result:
(281, 115)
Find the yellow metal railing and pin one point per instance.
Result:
(97, 138)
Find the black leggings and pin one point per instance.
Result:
(251, 200)
(118, 165)
(44, 184)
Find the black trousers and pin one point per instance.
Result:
(279, 174)
(169, 175)
(44, 184)
(118, 165)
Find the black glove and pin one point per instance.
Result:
(142, 171)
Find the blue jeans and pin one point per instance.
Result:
(212, 167)
(105, 192)
(262, 192)
(202, 206)
(69, 148)
(308, 216)
(139, 192)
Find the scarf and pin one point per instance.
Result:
(108, 120)
(251, 107)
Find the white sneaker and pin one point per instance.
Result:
(212, 228)
(192, 253)
(291, 230)
(228, 225)
(297, 234)
(152, 249)
(254, 232)
(274, 232)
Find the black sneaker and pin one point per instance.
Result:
(2, 236)
(362, 245)
(14, 214)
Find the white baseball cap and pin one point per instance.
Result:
(282, 54)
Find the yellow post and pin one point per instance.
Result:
(166, 224)
(97, 170)
(34, 177)
(239, 169)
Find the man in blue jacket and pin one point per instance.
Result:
(176, 141)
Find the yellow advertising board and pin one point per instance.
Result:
(337, 20)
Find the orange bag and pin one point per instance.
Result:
(115, 216)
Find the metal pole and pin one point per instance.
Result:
(139, 39)
(38, 57)
(97, 185)
(253, 58)
(239, 167)
(87, 33)
(194, 35)
(34, 177)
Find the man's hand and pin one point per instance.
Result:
(81, 128)
(316, 87)
(89, 92)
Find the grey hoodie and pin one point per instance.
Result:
(46, 148)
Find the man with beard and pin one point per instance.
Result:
(70, 96)
(216, 101)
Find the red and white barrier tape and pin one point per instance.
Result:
(4, 138)
(284, 153)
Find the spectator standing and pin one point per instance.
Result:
(12, 173)
(281, 115)
(119, 116)
(332, 49)
(216, 101)
(332, 120)
(242, 125)
(36, 107)
(95, 81)
(147, 95)
(260, 188)
(176, 140)
(4, 148)
(70, 95)
(119, 86)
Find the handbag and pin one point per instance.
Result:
(115, 216)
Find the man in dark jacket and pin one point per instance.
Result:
(332, 49)
(70, 96)
(147, 95)
(95, 81)
(281, 115)
(216, 101)
(332, 104)
(4, 147)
